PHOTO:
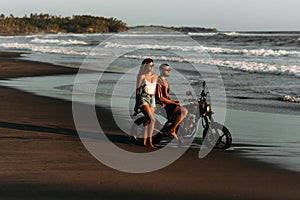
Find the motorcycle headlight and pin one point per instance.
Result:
(208, 108)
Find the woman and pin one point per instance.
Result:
(145, 97)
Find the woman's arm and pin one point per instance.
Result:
(137, 91)
(139, 83)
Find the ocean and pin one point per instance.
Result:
(254, 77)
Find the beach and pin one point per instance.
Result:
(43, 158)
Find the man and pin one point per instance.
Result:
(163, 98)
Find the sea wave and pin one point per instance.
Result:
(44, 49)
(254, 52)
(52, 40)
(260, 34)
(231, 33)
(213, 50)
(7, 37)
(237, 65)
(277, 92)
(58, 41)
(293, 70)
(150, 34)
(259, 67)
(201, 34)
(291, 99)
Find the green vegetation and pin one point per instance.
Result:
(45, 23)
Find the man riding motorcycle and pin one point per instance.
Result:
(163, 98)
(214, 134)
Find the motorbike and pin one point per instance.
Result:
(214, 133)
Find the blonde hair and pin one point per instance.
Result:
(144, 66)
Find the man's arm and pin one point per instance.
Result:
(162, 99)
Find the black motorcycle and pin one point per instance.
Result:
(214, 134)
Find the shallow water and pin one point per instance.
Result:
(268, 137)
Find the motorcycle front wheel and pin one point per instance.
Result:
(217, 135)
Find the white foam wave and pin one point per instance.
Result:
(64, 50)
(161, 58)
(259, 67)
(213, 50)
(150, 34)
(7, 37)
(201, 34)
(78, 35)
(57, 41)
(253, 52)
(291, 99)
(44, 49)
(259, 34)
(231, 33)
(154, 47)
(237, 65)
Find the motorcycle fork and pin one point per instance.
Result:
(206, 120)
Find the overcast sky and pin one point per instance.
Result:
(226, 15)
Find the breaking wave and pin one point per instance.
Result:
(213, 50)
(291, 99)
(237, 65)
(57, 41)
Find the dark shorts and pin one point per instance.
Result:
(170, 109)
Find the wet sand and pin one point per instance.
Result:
(43, 158)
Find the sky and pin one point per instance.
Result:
(225, 15)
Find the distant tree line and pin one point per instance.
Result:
(45, 23)
(195, 29)
(183, 29)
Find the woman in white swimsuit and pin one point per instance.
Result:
(145, 97)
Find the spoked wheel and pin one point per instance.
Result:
(217, 135)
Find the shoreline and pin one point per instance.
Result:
(10, 67)
(43, 157)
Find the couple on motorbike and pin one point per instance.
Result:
(152, 89)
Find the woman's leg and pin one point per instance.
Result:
(146, 125)
(150, 112)
(145, 135)
(151, 127)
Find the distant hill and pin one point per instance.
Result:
(45, 23)
(195, 29)
(182, 29)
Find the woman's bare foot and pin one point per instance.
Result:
(145, 143)
(152, 146)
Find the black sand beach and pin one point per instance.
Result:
(43, 158)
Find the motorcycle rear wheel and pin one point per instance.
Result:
(136, 132)
(218, 136)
